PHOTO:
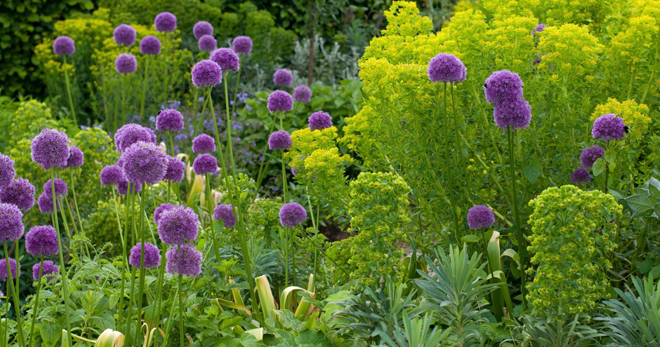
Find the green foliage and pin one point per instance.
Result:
(102, 228)
(553, 332)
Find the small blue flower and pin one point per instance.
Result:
(136, 117)
(276, 189)
(248, 108)
(237, 127)
(83, 127)
(231, 102)
(152, 119)
(201, 99)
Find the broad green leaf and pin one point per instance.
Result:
(248, 340)
(470, 238)
(50, 333)
(532, 171)
(639, 204)
(599, 167)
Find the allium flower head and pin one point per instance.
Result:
(203, 144)
(206, 73)
(60, 187)
(19, 192)
(226, 59)
(280, 101)
(538, 29)
(225, 213)
(112, 174)
(319, 120)
(165, 22)
(7, 171)
(64, 45)
(160, 209)
(124, 34)
(144, 162)
(503, 86)
(242, 44)
(513, 113)
(11, 223)
(122, 188)
(125, 63)
(207, 43)
(292, 214)
(169, 120)
(202, 28)
(282, 77)
(184, 260)
(151, 256)
(48, 272)
(3, 269)
(41, 240)
(50, 148)
(150, 45)
(175, 170)
(580, 176)
(76, 157)
(178, 225)
(589, 156)
(131, 133)
(446, 68)
(608, 127)
(45, 203)
(302, 93)
(279, 140)
(480, 216)
(205, 164)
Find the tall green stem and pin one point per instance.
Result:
(68, 92)
(122, 236)
(63, 272)
(35, 311)
(285, 184)
(144, 87)
(458, 124)
(230, 144)
(145, 186)
(14, 294)
(181, 332)
(238, 79)
(516, 215)
(450, 190)
(129, 323)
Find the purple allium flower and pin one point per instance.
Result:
(48, 272)
(513, 113)
(319, 120)
(538, 29)
(122, 188)
(184, 260)
(169, 120)
(112, 174)
(203, 144)
(205, 164)
(503, 86)
(226, 214)
(280, 101)
(279, 140)
(144, 162)
(242, 44)
(165, 22)
(202, 28)
(50, 148)
(589, 156)
(580, 176)
(292, 214)
(45, 203)
(20, 192)
(125, 63)
(11, 223)
(206, 73)
(446, 68)
(76, 157)
(3, 269)
(151, 255)
(175, 170)
(131, 133)
(226, 59)
(64, 45)
(282, 77)
(41, 240)
(7, 171)
(480, 216)
(608, 127)
(124, 34)
(150, 45)
(160, 209)
(302, 93)
(207, 43)
(60, 188)
(178, 225)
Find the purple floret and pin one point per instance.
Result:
(122, 188)
(608, 127)
(7, 171)
(242, 44)
(178, 225)
(124, 34)
(226, 59)
(446, 68)
(207, 43)
(45, 203)
(279, 140)
(503, 86)
(4, 274)
(175, 170)
(48, 272)
(513, 113)
(292, 214)
(20, 192)
(319, 120)
(280, 101)
(11, 223)
(202, 28)
(151, 256)
(76, 157)
(203, 144)
(150, 45)
(112, 174)
(205, 164)
(50, 148)
(580, 176)
(60, 187)
(480, 216)
(165, 22)
(131, 133)
(589, 156)
(302, 93)
(206, 73)
(125, 63)
(282, 77)
(184, 260)
(64, 45)
(225, 213)
(144, 162)
(41, 240)
(169, 120)
(160, 209)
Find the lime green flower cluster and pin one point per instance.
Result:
(572, 236)
(634, 115)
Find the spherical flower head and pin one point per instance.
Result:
(608, 127)
(580, 176)
(124, 34)
(131, 133)
(319, 120)
(446, 68)
(302, 93)
(151, 256)
(112, 174)
(203, 144)
(150, 45)
(122, 188)
(280, 101)
(242, 44)
(226, 59)
(144, 162)
(514, 113)
(279, 140)
(292, 214)
(169, 120)
(165, 22)
(225, 213)
(175, 170)
(206, 73)
(160, 209)
(207, 43)
(50, 148)
(60, 188)
(45, 203)
(64, 45)
(503, 86)
(41, 240)
(125, 63)
(11, 223)
(202, 28)
(178, 225)
(539, 28)
(49, 270)
(589, 156)
(3, 269)
(184, 260)
(480, 216)
(7, 171)
(76, 157)
(282, 77)
(205, 164)
(19, 192)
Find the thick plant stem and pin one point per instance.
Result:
(458, 122)
(142, 269)
(285, 195)
(68, 92)
(181, 332)
(516, 215)
(293, 256)
(144, 87)
(238, 79)
(36, 300)
(63, 273)
(120, 308)
(450, 191)
(14, 294)
(75, 201)
(129, 323)
(230, 144)
(159, 295)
